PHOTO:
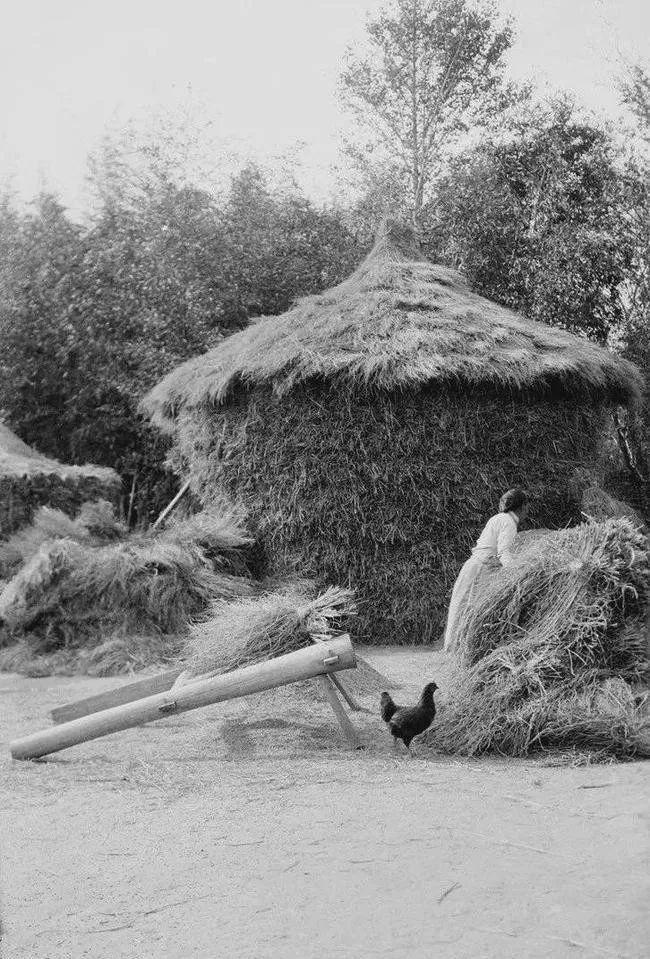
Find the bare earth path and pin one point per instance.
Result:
(247, 831)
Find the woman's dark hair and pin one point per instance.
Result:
(514, 499)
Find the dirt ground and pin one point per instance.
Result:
(248, 830)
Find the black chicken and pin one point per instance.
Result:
(407, 722)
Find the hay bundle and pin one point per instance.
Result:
(220, 532)
(95, 523)
(72, 595)
(599, 505)
(551, 647)
(254, 629)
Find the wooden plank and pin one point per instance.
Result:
(347, 696)
(303, 664)
(128, 693)
(347, 728)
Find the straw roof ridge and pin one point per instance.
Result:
(17, 459)
(398, 321)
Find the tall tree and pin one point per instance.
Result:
(635, 94)
(90, 318)
(634, 338)
(539, 222)
(434, 68)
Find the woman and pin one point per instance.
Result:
(492, 551)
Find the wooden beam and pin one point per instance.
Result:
(149, 686)
(348, 697)
(306, 663)
(128, 693)
(347, 728)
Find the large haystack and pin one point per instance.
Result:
(29, 480)
(370, 430)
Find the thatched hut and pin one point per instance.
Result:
(370, 429)
(29, 480)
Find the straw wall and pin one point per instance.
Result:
(387, 493)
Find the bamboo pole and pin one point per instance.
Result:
(353, 703)
(170, 506)
(304, 664)
(131, 500)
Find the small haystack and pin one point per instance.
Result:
(370, 430)
(95, 524)
(104, 605)
(554, 651)
(29, 480)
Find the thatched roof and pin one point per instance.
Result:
(398, 321)
(18, 460)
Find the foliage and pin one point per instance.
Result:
(434, 68)
(91, 317)
(538, 222)
(635, 94)
(633, 335)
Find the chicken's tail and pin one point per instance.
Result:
(388, 707)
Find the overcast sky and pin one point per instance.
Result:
(263, 71)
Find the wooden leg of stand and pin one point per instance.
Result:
(347, 728)
(350, 700)
(348, 697)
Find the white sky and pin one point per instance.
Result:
(263, 71)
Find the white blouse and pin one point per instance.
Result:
(497, 538)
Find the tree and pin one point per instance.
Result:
(553, 222)
(92, 317)
(634, 330)
(33, 342)
(434, 69)
(279, 246)
(635, 95)
(634, 87)
(538, 222)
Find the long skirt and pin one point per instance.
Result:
(468, 579)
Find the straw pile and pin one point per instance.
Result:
(270, 624)
(554, 651)
(95, 524)
(29, 480)
(371, 429)
(74, 596)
